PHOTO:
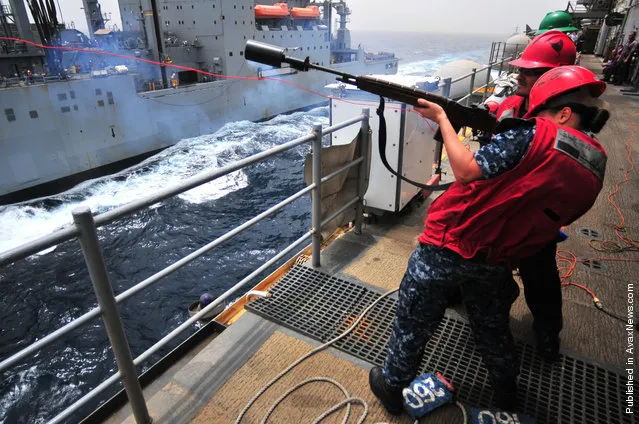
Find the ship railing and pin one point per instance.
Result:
(85, 225)
(36, 79)
(472, 76)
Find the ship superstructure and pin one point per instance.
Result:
(70, 128)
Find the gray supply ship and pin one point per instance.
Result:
(66, 128)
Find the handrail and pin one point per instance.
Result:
(86, 224)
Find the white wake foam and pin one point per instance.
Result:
(27, 221)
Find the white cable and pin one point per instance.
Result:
(308, 355)
(463, 411)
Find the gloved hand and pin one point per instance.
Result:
(427, 393)
(497, 416)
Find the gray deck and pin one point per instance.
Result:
(226, 373)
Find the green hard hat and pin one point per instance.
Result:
(559, 20)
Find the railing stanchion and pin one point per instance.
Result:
(483, 96)
(88, 237)
(446, 87)
(317, 194)
(363, 169)
(472, 86)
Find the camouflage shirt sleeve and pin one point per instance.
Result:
(505, 151)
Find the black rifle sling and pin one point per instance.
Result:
(382, 153)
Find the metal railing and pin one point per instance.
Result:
(472, 75)
(85, 226)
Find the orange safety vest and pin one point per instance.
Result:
(513, 215)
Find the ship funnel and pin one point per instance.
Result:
(272, 55)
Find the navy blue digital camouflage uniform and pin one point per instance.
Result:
(488, 291)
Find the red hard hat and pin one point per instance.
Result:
(561, 80)
(548, 50)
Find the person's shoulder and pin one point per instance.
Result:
(514, 125)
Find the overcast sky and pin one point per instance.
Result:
(456, 16)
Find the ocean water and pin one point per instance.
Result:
(48, 290)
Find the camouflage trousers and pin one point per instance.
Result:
(432, 276)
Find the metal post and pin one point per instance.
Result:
(492, 51)
(472, 87)
(483, 96)
(446, 87)
(363, 169)
(317, 194)
(88, 238)
(439, 150)
(501, 68)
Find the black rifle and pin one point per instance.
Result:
(459, 115)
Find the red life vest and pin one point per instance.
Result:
(510, 108)
(515, 214)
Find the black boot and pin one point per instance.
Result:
(389, 396)
(548, 346)
(505, 395)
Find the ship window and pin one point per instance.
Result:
(242, 7)
(11, 116)
(65, 109)
(72, 94)
(33, 114)
(235, 22)
(62, 96)
(75, 107)
(109, 94)
(192, 7)
(213, 6)
(230, 53)
(214, 22)
(234, 7)
(101, 103)
(193, 22)
(111, 101)
(98, 91)
(241, 53)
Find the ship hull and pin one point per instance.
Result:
(64, 131)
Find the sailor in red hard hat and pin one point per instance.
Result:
(548, 50)
(539, 274)
(509, 200)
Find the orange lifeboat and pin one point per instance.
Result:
(278, 10)
(310, 12)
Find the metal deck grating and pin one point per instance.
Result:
(321, 307)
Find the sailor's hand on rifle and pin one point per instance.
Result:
(430, 110)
